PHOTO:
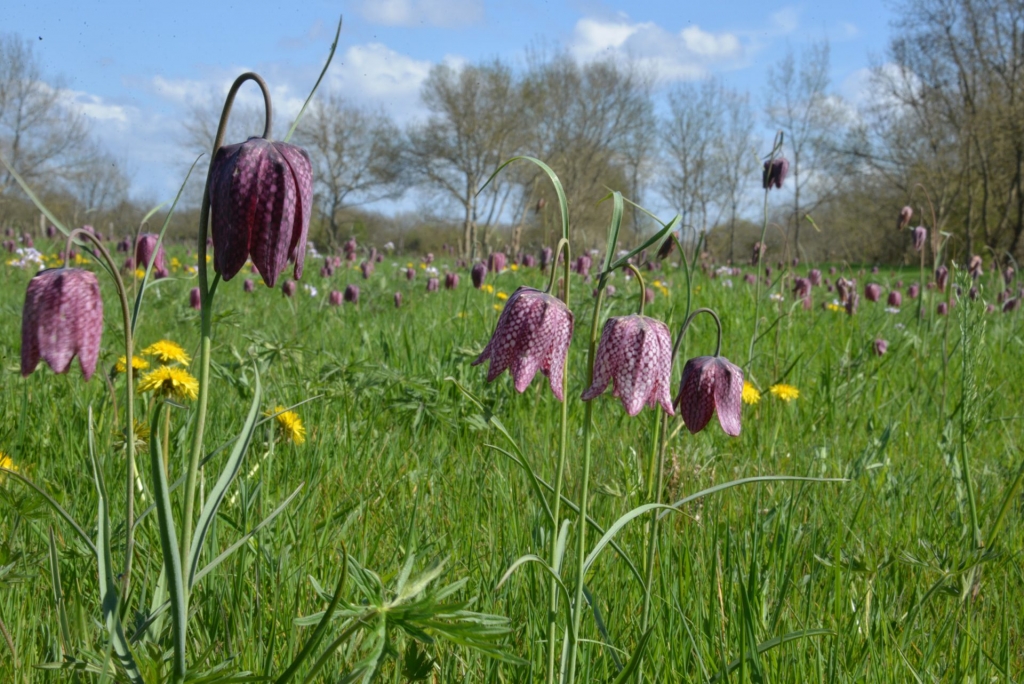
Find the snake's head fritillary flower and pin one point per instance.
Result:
(872, 292)
(146, 251)
(326, 271)
(451, 281)
(635, 352)
(851, 303)
(249, 285)
(429, 258)
(880, 346)
(26, 240)
(351, 294)
(546, 255)
(975, 267)
(334, 299)
(62, 318)
(710, 384)
(261, 198)
(802, 288)
(906, 213)
(757, 252)
(529, 261)
(398, 300)
(583, 264)
(533, 334)
(51, 231)
(844, 287)
(941, 277)
(1008, 275)
(774, 173)
(943, 309)
(478, 274)
(496, 262)
(973, 292)
(895, 299)
(914, 290)
(194, 298)
(288, 288)
(433, 284)
(410, 273)
(919, 235)
(815, 277)
(750, 278)
(367, 268)
(1011, 304)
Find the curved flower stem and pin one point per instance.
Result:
(206, 293)
(577, 612)
(643, 287)
(129, 373)
(776, 147)
(563, 441)
(686, 324)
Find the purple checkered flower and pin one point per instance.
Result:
(975, 267)
(941, 277)
(478, 274)
(194, 298)
(261, 198)
(496, 262)
(451, 281)
(351, 294)
(895, 299)
(802, 288)
(710, 384)
(815, 277)
(635, 352)
(774, 173)
(287, 288)
(249, 285)
(433, 284)
(880, 347)
(146, 251)
(334, 299)
(62, 318)
(920, 234)
(546, 255)
(906, 213)
(533, 334)
(872, 292)
(367, 268)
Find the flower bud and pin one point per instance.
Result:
(351, 294)
(914, 290)
(398, 300)
(941, 278)
(906, 213)
(194, 299)
(433, 284)
(895, 299)
(288, 288)
(943, 309)
(919, 235)
(774, 173)
(335, 298)
(62, 318)
(872, 292)
(248, 285)
(478, 274)
(880, 347)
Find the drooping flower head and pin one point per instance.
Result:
(334, 299)
(410, 273)
(533, 334)
(913, 290)
(146, 251)
(852, 300)
(496, 262)
(351, 294)
(906, 213)
(194, 298)
(757, 252)
(261, 198)
(398, 300)
(880, 346)
(802, 288)
(62, 318)
(367, 268)
(815, 277)
(249, 285)
(975, 267)
(451, 281)
(919, 234)
(872, 292)
(546, 255)
(635, 352)
(895, 299)
(583, 264)
(478, 274)
(287, 288)
(774, 173)
(433, 284)
(710, 384)
(941, 278)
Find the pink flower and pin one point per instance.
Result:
(288, 288)
(248, 285)
(711, 383)
(533, 333)
(478, 274)
(261, 199)
(451, 281)
(433, 284)
(895, 299)
(636, 353)
(942, 277)
(872, 292)
(194, 299)
(906, 213)
(815, 277)
(398, 300)
(913, 290)
(62, 318)
(880, 346)
(920, 234)
(410, 273)
(335, 298)
(774, 174)
(496, 262)
(146, 251)
(351, 294)
(367, 268)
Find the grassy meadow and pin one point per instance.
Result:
(408, 464)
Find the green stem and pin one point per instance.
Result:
(129, 375)
(652, 534)
(577, 612)
(559, 477)
(757, 282)
(643, 287)
(206, 298)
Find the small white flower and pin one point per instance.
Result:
(892, 310)
(622, 253)
(726, 283)
(723, 270)
(310, 289)
(776, 297)
(389, 246)
(900, 326)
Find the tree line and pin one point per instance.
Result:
(940, 129)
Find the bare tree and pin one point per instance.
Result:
(356, 154)
(735, 158)
(40, 135)
(475, 124)
(798, 102)
(690, 139)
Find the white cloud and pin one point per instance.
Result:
(443, 13)
(94, 107)
(686, 55)
(786, 20)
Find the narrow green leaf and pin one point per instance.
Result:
(330, 56)
(635, 659)
(563, 203)
(772, 643)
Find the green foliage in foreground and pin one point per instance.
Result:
(874, 579)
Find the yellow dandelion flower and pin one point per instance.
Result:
(140, 429)
(80, 260)
(289, 424)
(514, 267)
(207, 258)
(6, 463)
(166, 351)
(140, 273)
(502, 296)
(170, 381)
(138, 363)
(834, 307)
(785, 392)
(175, 263)
(422, 265)
(408, 264)
(497, 307)
(750, 393)
(488, 288)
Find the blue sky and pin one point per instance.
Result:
(134, 68)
